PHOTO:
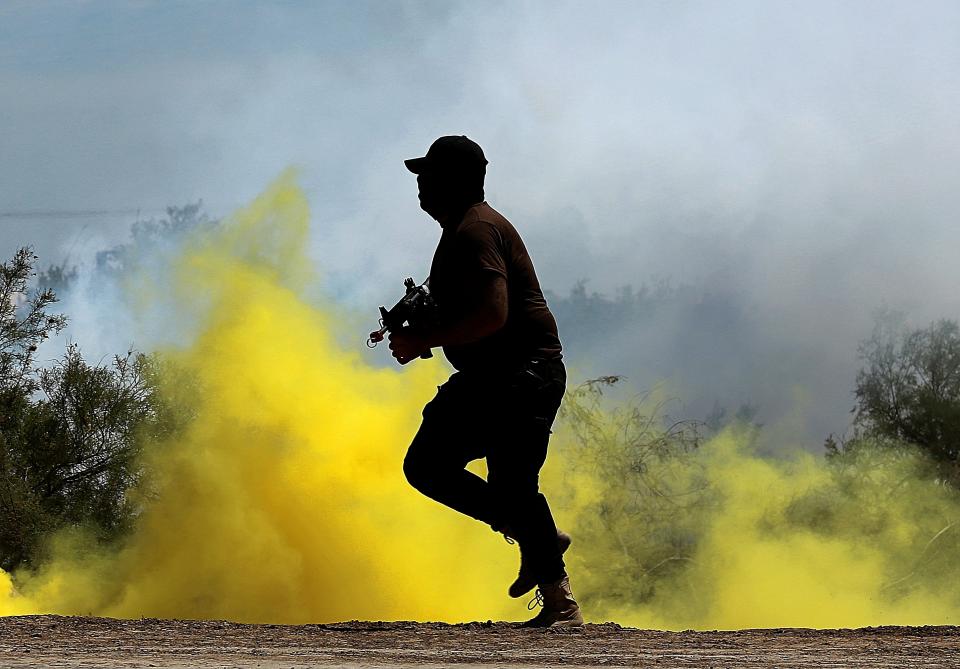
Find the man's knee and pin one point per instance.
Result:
(417, 472)
(515, 490)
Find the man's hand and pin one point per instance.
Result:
(407, 344)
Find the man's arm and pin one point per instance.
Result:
(486, 313)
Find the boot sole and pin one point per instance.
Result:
(576, 621)
(568, 623)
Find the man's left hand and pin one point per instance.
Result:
(407, 344)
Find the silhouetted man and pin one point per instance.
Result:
(496, 330)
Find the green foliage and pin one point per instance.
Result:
(656, 510)
(909, 389)
(648, 492)
(24, 325)
(865, 474)
(883, 488)
(70, 433)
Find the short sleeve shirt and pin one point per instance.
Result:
(486, 242)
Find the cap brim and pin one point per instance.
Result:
(417, 165)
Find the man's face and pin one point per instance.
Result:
(433, 193)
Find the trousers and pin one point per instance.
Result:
(505, 417)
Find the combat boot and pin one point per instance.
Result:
(560, 609)
(526, 579)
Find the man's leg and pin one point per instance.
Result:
(514, 459)
(449, 437)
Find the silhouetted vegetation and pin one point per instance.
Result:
(147, 237)
(661, 330)
(71, 432)
(908, 392)
(638, 487)
(68, 432)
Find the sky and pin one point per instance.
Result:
(799, 160)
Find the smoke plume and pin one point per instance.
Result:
(282, 500)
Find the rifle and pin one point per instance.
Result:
(415, 307)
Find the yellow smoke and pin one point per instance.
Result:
(722, 538)
(284, 500)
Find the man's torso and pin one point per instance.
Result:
(484, 241)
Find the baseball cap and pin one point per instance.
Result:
(449, 152)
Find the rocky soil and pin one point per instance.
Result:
(55, 641)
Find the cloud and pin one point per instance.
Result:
(799, 160)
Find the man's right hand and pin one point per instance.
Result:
(407, 344)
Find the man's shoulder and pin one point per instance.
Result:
(482, 216)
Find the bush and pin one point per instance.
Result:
(639, 492)
(70, 433)
(909, 389)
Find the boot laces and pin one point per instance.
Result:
(536, 601)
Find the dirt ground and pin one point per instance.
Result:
(55, 641)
